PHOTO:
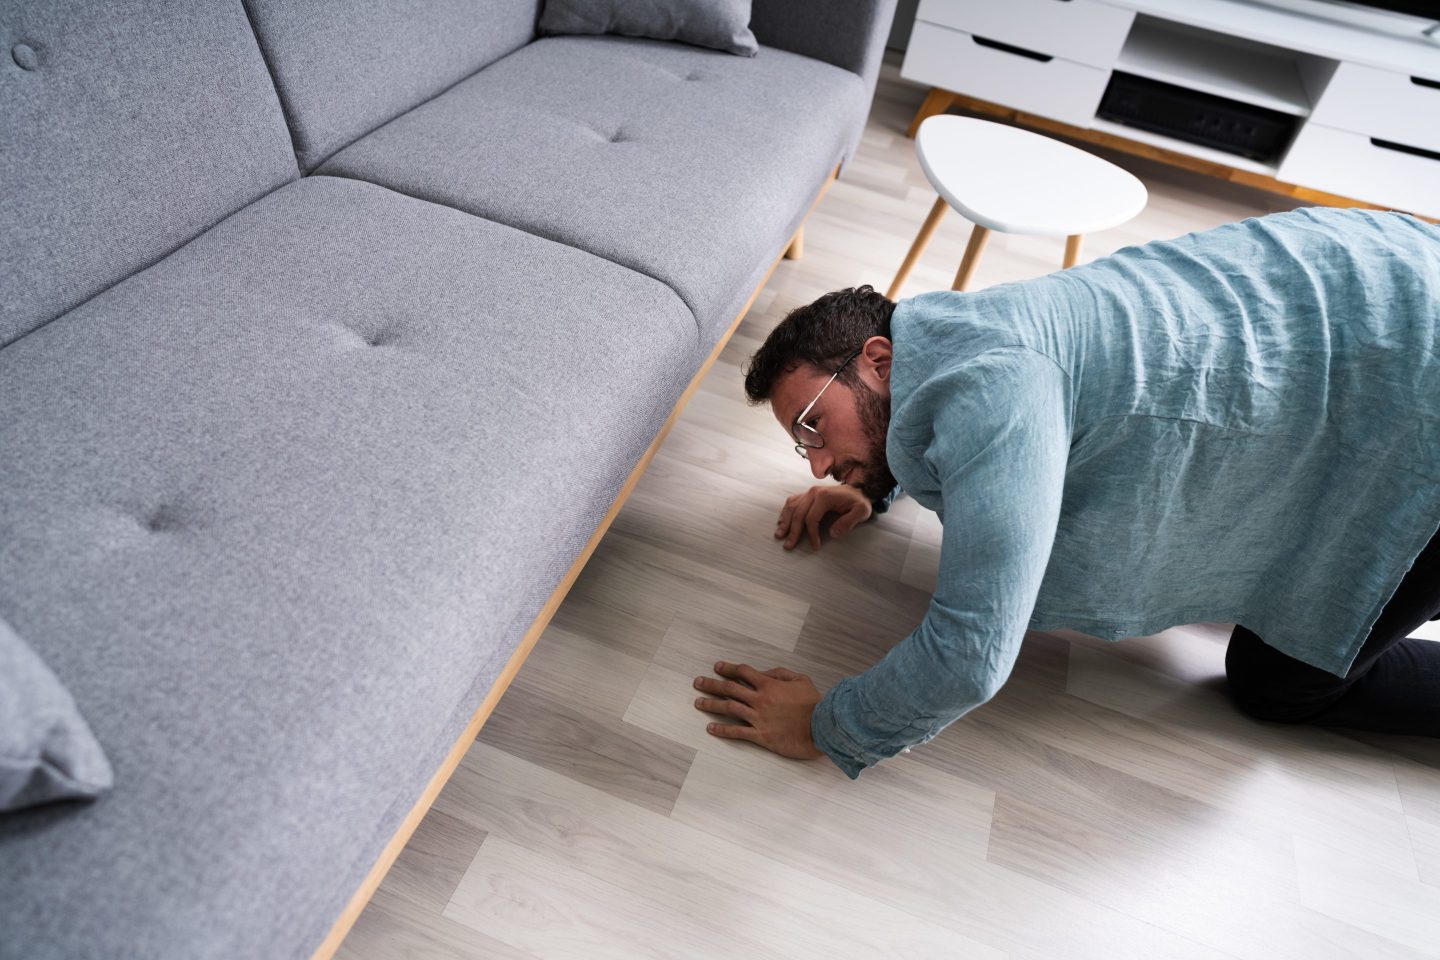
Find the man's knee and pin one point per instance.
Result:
(1265, 684)
(1272, 706)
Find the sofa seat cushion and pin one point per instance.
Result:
(692, 166)
(277, 511)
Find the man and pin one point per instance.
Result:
(1240, 425)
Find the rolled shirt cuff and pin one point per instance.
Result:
(831, 740)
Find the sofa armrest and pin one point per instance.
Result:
(851, 34)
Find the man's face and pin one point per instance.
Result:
(852, 419)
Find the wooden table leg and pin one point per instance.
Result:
(936, 101)
(797, 245)
(1072, 250)
(978, 236)
(922, 240)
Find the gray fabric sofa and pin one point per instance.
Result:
(328, 341)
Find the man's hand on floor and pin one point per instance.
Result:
(774, 706)
(803, 512)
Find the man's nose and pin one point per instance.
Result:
(820, 464)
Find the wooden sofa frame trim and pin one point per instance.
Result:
(417, 813)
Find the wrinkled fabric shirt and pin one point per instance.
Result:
(1241, 425)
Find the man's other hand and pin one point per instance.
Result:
(774, 706)
(803, 513)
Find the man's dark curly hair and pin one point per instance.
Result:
(822, 333)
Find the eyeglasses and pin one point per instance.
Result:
(805, 436)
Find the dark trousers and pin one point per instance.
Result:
(1392, 687)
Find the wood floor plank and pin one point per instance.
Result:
(1312, 780)
(636, 633)
(885, 822)
(1391, 905)
(537, 901)
(404, 919)
(863, 564)
(1334, 760)
(384, 932)
(594, 748)
(432, 863)
(639, 577)
(922, 558)
(1425, 840)
(572, 668)
(700, 884)
(1234, 890)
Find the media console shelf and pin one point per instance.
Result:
(1323, 110)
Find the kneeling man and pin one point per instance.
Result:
(1241, 425)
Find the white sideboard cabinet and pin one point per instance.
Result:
(1355, 107)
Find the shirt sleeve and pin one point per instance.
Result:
(995, 440)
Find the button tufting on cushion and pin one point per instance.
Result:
(351, 337)
(163, 519)
(24, 56)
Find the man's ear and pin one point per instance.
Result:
(878, 352)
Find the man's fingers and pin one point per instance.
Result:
(813, 516)
(793, 516)
(791, 530)
(781, 673)
(848, 521)
(797, 527)
(726, 688)
(791, 502)
(729, 708)
(784, 522)
(732, 731)
(742, 671)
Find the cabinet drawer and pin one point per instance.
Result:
(1349, 164)
(1054, 88)
(1380, 103)
(1078, 30)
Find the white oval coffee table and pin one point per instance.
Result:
(1011, 180)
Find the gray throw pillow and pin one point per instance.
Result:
(47, 751)
(718, 24)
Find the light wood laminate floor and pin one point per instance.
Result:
(1109, 803)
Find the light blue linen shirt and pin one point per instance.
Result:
(1241, 425)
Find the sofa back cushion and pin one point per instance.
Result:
(344, 70)
(127, 129)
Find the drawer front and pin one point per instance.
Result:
(1079, 30)
(1379, 103)
(1346, 163)
(953, 60)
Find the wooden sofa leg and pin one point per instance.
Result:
(796, 250)
(936, 101)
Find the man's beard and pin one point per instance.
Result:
(875, 421)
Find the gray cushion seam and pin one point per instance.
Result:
(283, 98)
(414, 106)
(146, 266)
(534, 233)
